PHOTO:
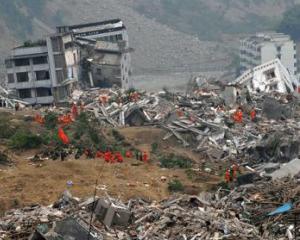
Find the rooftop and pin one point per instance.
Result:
(268, 37)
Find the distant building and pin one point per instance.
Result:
(115, 65)
(265, 47)
(43, 72)
(93, 54)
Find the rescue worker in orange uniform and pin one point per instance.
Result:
(238, 116)
(128, 154)
(227, 176)
(145, 157)
(253, 115)
(107, 156)
(119, 157)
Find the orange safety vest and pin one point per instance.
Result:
(145, 157)
(253, 115)
(227, 176)
(39, 119)
(238, 116)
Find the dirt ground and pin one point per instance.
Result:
(25, 183)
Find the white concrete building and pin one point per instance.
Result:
(43, 72)
(112, 31)
(265, 47)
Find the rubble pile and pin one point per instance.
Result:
(246, 212)
(203, 120)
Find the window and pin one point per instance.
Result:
(10, 78)
(279, 48)
(98, 71)
(42, 75)
(25, 93)
(68, 45)
(57, 44)
(40, 60)
(22, 62)
(75, 59)
(119, 37)
(43, 92)
(270, 74)
(22, 77)
(60, 76)
(59, 61)
(8, 63)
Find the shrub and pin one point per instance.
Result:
(154, 147)
(25, 140)
(6, 131)
(117, 135)
(175, 186)
(175, 161)
(51, 120)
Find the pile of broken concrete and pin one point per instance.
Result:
(246, 212)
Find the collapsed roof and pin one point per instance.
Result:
(268, 77)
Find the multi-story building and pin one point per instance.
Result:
(46, 71)
(265, 47)
(112, 31)
(43, 72)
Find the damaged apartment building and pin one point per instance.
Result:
(44, 72)
(92, 55)
(105, 53)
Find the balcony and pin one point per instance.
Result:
(25, 51)
(35, 84)
(40, 100)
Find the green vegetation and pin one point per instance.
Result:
(34, 44)
(175, 186)
(85, 133)
(25, 140)
(51, 120)
(154, 147)
(6, 131)
(290, 23)
(175, 161)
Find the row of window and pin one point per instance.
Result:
(24, 76)
(113, 38)
(38, 92)
(9, 63)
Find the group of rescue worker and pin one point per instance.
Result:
(231, 174)
(238, 115)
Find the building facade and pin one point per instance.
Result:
(265, 47)
(47, 71)
(113, 32)
(43, 72)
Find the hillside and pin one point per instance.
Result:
(167, 35)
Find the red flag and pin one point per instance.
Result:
(63, 137)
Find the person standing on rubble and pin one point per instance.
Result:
(253, 115)
(17, 106)
(227, 177)
(238, 115)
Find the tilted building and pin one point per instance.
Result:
(109, 62)
(264, 47)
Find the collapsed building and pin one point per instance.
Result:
(91, 55)
(105, 52)
(270, 76)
